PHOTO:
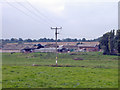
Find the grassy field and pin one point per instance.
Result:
(94, 71)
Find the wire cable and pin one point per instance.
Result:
(33, 13)
(22, 11)
(43, 15)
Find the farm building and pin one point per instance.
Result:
(31, 49)
(70, 47)
(15, 47)
(88, 47)
(82, 47)
(45, 50)
(27, 49)
(50, 46)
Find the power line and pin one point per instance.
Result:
(43, 15)
(33, 13)
(16, 8)
(22, 11)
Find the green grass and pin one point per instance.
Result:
(99, 71)
(90, 59)
(59, 77)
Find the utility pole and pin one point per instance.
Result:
(56, 33)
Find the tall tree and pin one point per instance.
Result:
(117, 41)
(111, 41)
(104, 43)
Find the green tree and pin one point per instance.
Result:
(117, 41)
(104, 43)
(34, 40)
(28, 40)
(14, 40)
(111, 41)
(20, 39)
(83, 39)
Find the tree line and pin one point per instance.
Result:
(20, 40)
(110, 42)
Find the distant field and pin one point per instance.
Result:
(94, 71)
(59, 43)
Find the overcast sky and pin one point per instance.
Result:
(78, 18)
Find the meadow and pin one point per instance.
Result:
(94, 70)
